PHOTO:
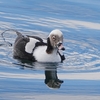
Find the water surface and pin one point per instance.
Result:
(80, 23)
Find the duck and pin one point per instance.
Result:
(36, 49)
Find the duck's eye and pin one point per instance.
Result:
(54, 37)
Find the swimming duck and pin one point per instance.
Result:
(34, 48)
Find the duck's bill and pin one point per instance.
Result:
(61, 47)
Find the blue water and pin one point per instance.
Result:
(80, 23)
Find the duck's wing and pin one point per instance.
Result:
(36, 37)
(40, 42)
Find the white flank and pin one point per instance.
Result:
(30, 45)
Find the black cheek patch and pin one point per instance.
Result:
(49, 47)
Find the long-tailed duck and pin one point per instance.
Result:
(34, 48)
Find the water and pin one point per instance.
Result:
(79, 74)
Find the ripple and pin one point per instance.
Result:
(80, 56)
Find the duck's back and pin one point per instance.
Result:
(24, 47)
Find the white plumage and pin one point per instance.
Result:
(30, 45)
(41, 55)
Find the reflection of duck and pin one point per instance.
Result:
(50, 69)
(35, 49)
(52, 80)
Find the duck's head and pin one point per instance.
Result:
(55, 41)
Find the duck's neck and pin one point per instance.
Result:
(49, 49)
(54, 50)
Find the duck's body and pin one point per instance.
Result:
(35, 49)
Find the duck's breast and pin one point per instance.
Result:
(41, 55)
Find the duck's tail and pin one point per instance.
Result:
(18, 33)
(2, 34)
